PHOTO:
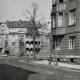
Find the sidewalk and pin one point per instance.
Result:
(46, 63)
(63, 65)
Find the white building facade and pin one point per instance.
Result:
(16, 38)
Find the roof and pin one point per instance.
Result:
(18, 24)
(23, 24)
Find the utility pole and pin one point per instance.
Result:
(51, 45)
(51, 42)
(56, 53)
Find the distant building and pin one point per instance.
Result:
(16, 37)
(4, 32)
(65, 16)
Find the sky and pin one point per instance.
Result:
(13, 10)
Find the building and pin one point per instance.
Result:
(4, 32)
(16, 38)
(65, 21)
(44, 40)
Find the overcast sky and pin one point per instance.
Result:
(14, 9)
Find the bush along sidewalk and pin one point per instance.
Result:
(69, 60)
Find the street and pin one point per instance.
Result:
(12, 69)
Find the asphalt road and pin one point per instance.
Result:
(29, 71)
(8, 72)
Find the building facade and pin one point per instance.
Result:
(4, 32)
(16, 38)
(65, 23)
(44, 40)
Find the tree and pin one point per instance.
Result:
(32, 14)
(6, 45)
(33, 17)
(21, 46)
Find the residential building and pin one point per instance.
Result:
(65, 22)
(16, 38)
(4, 32)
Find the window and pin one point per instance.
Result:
(13, 35)
(72, 42)
(54, 21)
(27, 42)
(72, 17)
(60, 1)
(57, 44)
(20, 35)
(60, 19)
(0, 40)
(53, 45)
(13, 43)
(0, 50)
(71, 0)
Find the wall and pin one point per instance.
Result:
(4, 32)
(14, 49)
(65, 45)
(70, 6)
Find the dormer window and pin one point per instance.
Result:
(60, 1)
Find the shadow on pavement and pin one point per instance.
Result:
(8, 72)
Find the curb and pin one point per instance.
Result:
(52, 66)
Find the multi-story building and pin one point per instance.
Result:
(4, 32)
(16, 38)
(65, 22)
(44, 40)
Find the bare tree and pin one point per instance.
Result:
(32, 14)
(33, 17)
(21, 46)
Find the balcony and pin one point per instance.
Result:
(61, 6)
(58, 31)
